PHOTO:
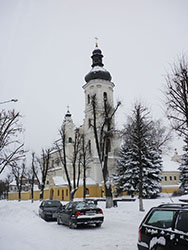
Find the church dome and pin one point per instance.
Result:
(97, 71)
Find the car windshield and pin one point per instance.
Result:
(161, 218)
(52, 204)
(83, 204)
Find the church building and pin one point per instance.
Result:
(98, 82)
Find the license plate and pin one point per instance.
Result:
(90, 213)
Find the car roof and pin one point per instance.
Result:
(51, 201)
(174, 205)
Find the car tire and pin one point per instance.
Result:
(98, 224)
(44, 217)
(59, 222)
(72, 225)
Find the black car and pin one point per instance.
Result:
(48, 209)
(165, 228)
(76, 213)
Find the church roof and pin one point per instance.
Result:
(97, 71)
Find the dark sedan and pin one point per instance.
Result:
(80, 213)
(48, 209)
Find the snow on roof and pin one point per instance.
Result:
(36, 188)
(89, 181)
(59, 181)
(169, 164)
(13, 183)
(98, 68)
(54, 169)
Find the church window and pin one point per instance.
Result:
(170, 178)
(58, 192)
(89, 146)
(88, 99)
(105, 96)
(175, 178)
(89, 123)
(165, 178)
(70, 140)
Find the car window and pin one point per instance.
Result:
(52, 204)
(68, 206)
(81, 205)
(182, 222)
(161, 218)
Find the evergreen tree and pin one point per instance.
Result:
(127, 172)
(184, 167)
(139, 165)
(152, 173)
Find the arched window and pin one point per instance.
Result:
(88, 99)
(89, 146)
(105, 96)
(89, 123)
(70, 140)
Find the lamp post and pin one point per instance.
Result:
(12, 100)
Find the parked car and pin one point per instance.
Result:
(48, 209)
(76, 213)
(164, 228)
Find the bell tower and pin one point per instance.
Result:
(98, 83)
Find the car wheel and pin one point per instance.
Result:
(44, 217)
(72, 224)
(59, 222)
(98, 224)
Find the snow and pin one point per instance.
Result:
(59, 181)
(169, 165)
(22, 228)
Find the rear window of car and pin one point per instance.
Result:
(52, 204)
(161, 218)
(182, 222)
(81, 205)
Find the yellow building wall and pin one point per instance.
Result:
(169, 190)
(60, 193)
(25, 196)
(12, 196)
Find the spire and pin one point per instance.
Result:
(96, 43)
(68, 114)
(97, 56)
(97, 71)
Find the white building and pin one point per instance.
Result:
(97, 82)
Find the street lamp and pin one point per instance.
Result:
(12, 100)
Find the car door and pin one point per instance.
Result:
(66, 214)
(41, 208)
(181, 231)
(157, 229)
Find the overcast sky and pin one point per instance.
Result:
(45, 49)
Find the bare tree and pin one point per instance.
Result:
(177, 96)
(86, 158)
(32, 174)
(103, 132)
(11, 149)
(60, 146)
(18, 171)
(74, 158)
(43, 164)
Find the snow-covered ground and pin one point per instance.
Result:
(22, 228)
